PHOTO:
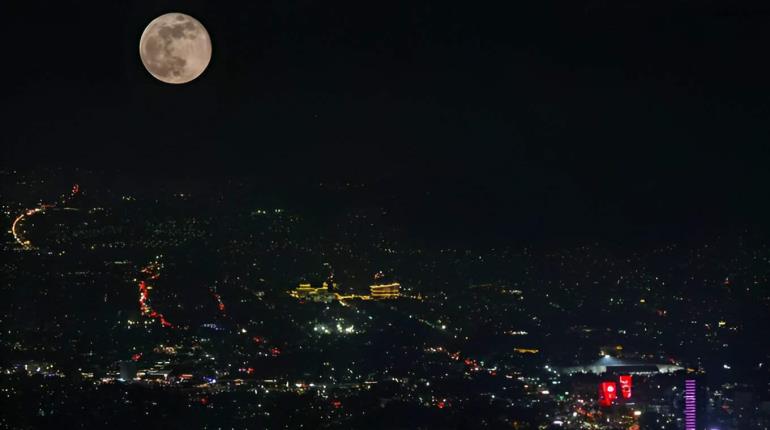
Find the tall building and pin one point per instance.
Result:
(690, 405)
(385, 291)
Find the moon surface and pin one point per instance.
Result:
(175, 48)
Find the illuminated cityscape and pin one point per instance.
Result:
(396, 215)
(158, 325)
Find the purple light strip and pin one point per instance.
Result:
(689, 404)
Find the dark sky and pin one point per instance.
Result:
(566, 118)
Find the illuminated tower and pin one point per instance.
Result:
(689, 404)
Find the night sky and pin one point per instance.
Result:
(588, 119)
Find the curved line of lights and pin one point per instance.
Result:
(25, 243)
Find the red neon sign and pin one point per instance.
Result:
(625, 386)
(608, 392)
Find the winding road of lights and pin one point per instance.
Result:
(25, 243)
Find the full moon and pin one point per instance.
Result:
(175, 48)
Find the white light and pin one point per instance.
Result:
(637, 413)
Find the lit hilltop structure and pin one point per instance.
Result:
(323, 294)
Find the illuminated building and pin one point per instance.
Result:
(617, 366)
(316, 294)
(625, 386)
(385, 291)
(304, 290)
(607, 393)
(689, 404)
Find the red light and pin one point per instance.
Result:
(607, 393)
(625, 386)
(144, 295)
(440, 405)
(220, 304)
(275, 352)
(336, 404)
(136, 357)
